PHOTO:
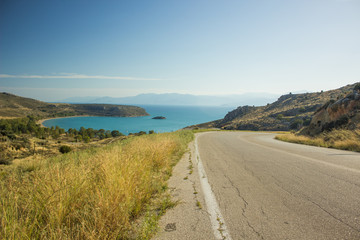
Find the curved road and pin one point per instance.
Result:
(268, 189)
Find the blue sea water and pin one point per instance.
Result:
(177, 117)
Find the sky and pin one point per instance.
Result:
(53, 50)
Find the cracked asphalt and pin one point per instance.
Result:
(268, 189)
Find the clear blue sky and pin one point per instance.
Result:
(51, 50)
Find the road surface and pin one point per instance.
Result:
(268, 189)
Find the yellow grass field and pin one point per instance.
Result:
(337, 138)
(112, 192)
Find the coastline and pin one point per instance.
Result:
(43, 120)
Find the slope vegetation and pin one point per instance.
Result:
(14, 106)
(343, 113)
(336, 124)
(291, 111)
(113, 192)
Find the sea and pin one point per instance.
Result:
(177, 117)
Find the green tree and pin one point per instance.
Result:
(108, 134)
(90, 132)
(78, 138)
(116, 133)
(82, 131)
(86, 139)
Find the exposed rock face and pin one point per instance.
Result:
(343, 113)
(237, 113)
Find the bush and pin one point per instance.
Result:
(307, 122)
(64, 149)
(4, 161)
(357, 87)
(296, 124)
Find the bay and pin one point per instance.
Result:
(177, 117)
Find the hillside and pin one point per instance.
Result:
(343, 113)
(15, 106)
(336, 124)
(291, 111)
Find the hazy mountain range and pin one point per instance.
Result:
(256, 99)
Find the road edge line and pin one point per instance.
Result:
(217, 221)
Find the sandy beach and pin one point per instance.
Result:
(43, 120)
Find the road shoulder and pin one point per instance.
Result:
(189, 219)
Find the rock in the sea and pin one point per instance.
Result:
(159, 117)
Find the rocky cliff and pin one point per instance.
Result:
(342, 113)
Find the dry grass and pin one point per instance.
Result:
(114, 192)
(338, 138)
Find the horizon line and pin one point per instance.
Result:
(78, 76)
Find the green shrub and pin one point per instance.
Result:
(296, 124)
(64, 149)
(4, 161)
(279, 116)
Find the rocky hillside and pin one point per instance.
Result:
(14, 106)
(342, 113)
(291, 111)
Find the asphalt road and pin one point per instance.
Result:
(268, 189)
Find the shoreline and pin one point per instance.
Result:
(43, 120)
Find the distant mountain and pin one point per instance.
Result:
(291, 111)
(182, 99)
(16, 106)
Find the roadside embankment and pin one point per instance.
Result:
(114, 192)
(337, 138)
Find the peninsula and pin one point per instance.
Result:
(13, 106)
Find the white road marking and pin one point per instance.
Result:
(217, 221)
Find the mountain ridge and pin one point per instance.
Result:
(12, 106)
(182, 99)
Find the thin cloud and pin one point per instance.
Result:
(77, 76)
